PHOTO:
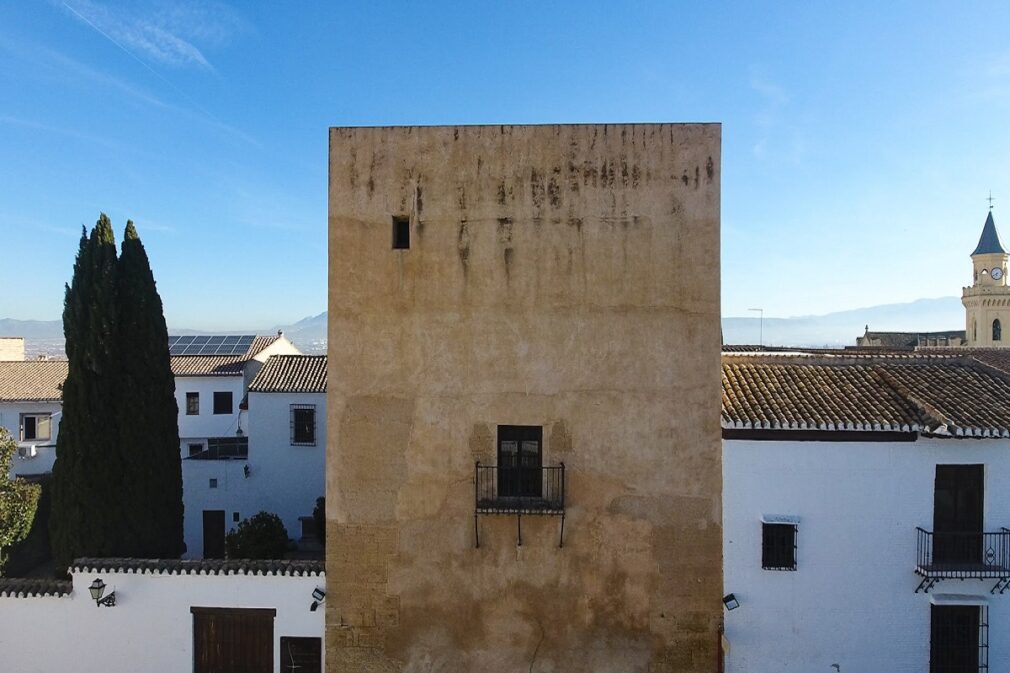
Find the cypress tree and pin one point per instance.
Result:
(88, 517)
(147, 411)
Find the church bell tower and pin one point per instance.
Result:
(987, 300)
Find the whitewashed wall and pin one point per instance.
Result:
(852, 599)
(282, 478)
(235, 494)
(207, 423)
(150, 629)
(287, 478)
(45, 450)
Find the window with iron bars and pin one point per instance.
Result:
(303, 424)
(959, 639)
(778, 546)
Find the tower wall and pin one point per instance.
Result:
(565, 277)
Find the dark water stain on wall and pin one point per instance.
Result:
(537, 189)
(463, 247)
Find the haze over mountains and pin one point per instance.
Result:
(831, 329)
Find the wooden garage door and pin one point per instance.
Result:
(233, 640)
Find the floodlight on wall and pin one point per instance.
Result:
(319, 596)
(97, 588)
(730, 601)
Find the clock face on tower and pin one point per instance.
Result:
(997, 273)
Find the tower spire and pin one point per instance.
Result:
(988, 242)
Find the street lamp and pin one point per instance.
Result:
(319, 595)
(97, 588)
(761, 325)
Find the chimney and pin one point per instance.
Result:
(12, 348)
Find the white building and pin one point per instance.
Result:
(283, 468)
(30, 405)
(212, 374)
(240, 455)
(166, 616)
(865, 513)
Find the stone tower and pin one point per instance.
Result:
(987, 301)
(523, 461)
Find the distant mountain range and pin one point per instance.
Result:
(45, 337)
(831, 329)
(841, 328)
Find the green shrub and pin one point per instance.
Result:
(261, 536)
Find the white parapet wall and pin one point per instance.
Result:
(48, 626)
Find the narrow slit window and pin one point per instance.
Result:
(401, 233)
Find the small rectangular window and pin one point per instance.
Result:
(213, 483)
(36, 427)
(192, 404)
(401, 233)
(235, 517)
(222, 403)
(778, 546)
(301, 655)
(195, 449)
(958, 638)
(303, 424)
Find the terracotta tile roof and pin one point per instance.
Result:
(941, 395)
(198, 566)
(260, 344)
(32, 380)
(994, 357)
(291, 374)
(208, 365)
(28, 588)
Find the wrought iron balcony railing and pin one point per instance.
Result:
(519, 490)
(963, 555)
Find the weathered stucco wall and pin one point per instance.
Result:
(562, 276)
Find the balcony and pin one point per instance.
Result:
(223, 448)
(941, 556)
(519, 490)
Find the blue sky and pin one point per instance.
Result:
(859, 139)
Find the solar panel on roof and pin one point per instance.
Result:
(210, 345)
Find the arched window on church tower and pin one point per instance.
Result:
(997, 331)
(974, 330)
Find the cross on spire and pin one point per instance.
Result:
(990, 199)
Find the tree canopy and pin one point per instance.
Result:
(19, 499)
(117, 480)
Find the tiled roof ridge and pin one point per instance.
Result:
(15, 587)
(990, 368)
(938, 422)
(260, 343)
(199, 566)
(291, 373)
(841, 357)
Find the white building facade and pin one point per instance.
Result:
(283, 468)
(167, 616)
(865, 515)
(30, 407)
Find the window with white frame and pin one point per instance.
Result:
(303, 424)
(36, 427)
